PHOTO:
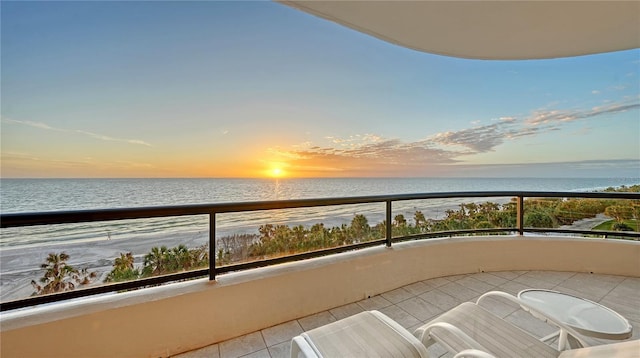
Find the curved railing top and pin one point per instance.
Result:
(74, 216)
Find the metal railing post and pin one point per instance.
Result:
(212, 246)
(520, 215)
(388, 227)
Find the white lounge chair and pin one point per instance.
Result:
(467, 330)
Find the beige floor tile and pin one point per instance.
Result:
(345, 311)
(417, 288)
(397, 295)
(454, 278)
(420, 309)
(211, 351)
(436, 282)
(401, 316)
(263, 353)
(591, 293)
(490, 279)
(507, 275)
(458, 291)
(243, 345)
(551, 277)
(512, 287)
(601, 283)
(317, 320)
(627, 309)
(436, 350)
(440, 299)
(282, 350)
(374, 303)
(281, 333)
(474, 284)
(534, 282)
(628, 287)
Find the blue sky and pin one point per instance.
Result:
(251, 89)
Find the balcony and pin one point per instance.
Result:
(254, 308)
(415, 304)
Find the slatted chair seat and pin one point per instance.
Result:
(492, 333)
(366, 334)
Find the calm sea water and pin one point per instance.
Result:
(35, 195)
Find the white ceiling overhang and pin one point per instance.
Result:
(499, 30)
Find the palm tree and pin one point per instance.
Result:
(360, 227)
(399, 220)
(419, 219)
(156, 262)
(60, 276)
(123, 269)
(180, 259)
(124, 262)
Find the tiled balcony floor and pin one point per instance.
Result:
(418, 303)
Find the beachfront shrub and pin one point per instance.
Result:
(123, 269)
(538, 218)
(359, 228)
(399, 220)
(419, 219)
(59, 276)
(162, 261)
(620, 212)
(624, 189)
(621, 226)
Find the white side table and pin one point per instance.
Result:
(584, 316)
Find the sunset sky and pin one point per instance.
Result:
(253, 89)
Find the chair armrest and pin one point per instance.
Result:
(424, 334)
(501, 294)
(299, 345)
(473, 353)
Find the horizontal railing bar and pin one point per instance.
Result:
(434, 234)
(76, 216)
(586, 232)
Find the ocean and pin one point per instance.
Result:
(37, 195)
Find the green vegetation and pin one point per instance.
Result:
(612, 225)
(60, 276)
(159, 261)
(624, 189)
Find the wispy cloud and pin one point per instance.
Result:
(554, 116)
(366, 156)
(45, 126)
(368, 151)
(27, 163)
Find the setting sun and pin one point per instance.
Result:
(277, 172)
